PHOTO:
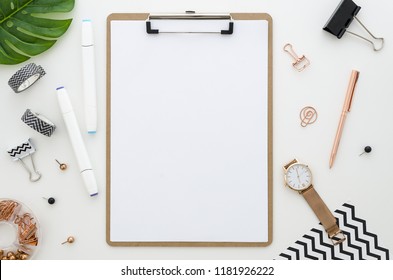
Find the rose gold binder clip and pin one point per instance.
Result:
(300, 63)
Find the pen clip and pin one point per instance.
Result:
(351, 89)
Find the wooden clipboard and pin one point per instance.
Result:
(114, 224)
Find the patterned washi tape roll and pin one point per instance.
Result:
(25, 77)
(38, 123)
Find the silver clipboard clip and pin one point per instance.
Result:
(190, 15)
(18, 153)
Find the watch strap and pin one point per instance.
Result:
(324, 215)
(289, 164)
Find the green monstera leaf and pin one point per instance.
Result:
(26, 29)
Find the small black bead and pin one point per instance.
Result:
(367, 149)
(51, 200)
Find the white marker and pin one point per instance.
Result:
(89, 79)
(77, 141)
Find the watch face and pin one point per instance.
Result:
(298, 177)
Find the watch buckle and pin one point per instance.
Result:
(337, 238)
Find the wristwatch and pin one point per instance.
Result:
(298, 177)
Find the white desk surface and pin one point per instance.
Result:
(364, 181)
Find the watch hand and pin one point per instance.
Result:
(298, 177)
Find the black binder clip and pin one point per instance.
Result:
(342, 17)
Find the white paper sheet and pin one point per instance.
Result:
(189, 134)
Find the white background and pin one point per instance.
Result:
(365, 181)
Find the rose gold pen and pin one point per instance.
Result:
(346, 109)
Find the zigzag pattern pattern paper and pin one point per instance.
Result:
(359, 245)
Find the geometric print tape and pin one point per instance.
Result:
(360, 244)
(25, 77)
(38, 123)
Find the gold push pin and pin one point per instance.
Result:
(70, 240)
(62, 166)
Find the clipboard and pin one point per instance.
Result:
(189, 130)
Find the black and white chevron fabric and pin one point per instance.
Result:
(359, 245)
(26, 77)
(38, 123)
(22, 150)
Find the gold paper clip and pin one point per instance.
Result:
(300, 63)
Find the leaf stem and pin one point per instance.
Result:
(16, 11)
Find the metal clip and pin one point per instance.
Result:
(31, 176)
(21, 151)
(190, 15)
(364, 38)
(341, 19)
(300, 63)
(337, 238)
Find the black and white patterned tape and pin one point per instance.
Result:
(38, 123)
(25, 77)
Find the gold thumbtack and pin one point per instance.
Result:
(63, 166)
(70, 240)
